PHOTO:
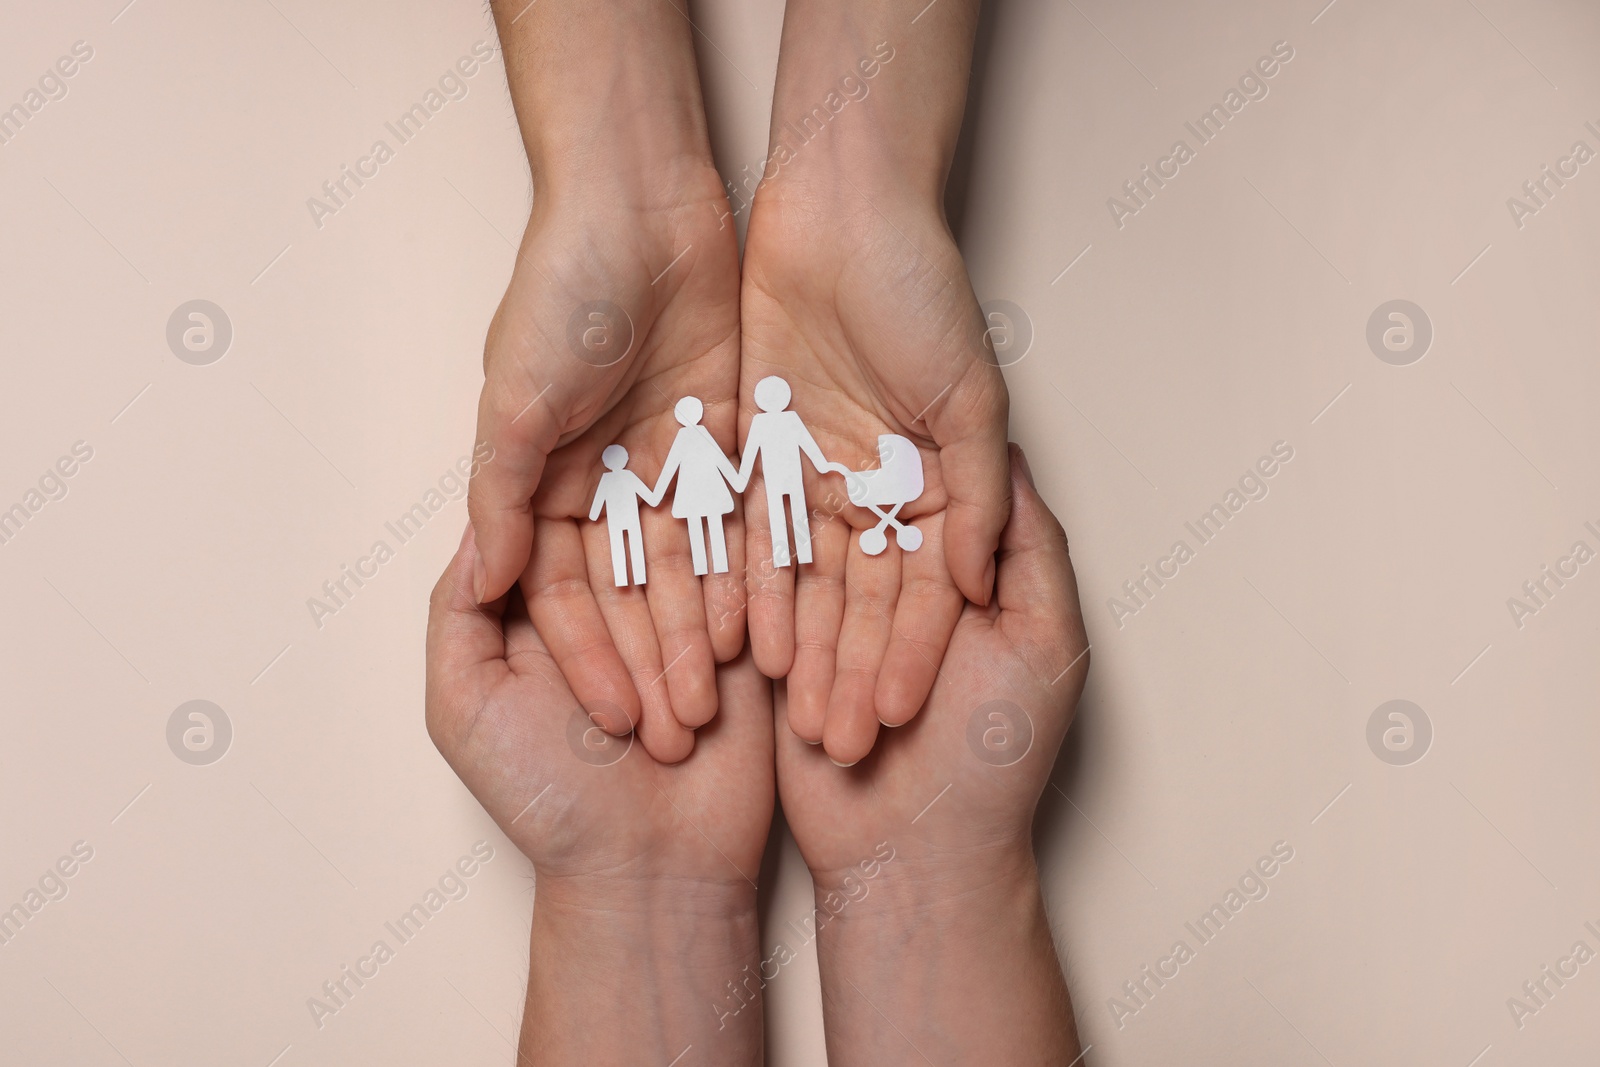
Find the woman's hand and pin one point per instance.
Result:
(645, 871)
(624, 299)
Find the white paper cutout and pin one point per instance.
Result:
(779, 438)
(619, 494)
(705, 475)
(896, 482)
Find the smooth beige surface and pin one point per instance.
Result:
(1227, 714)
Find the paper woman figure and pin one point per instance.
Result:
(704, 473)
(779, 438)
(619, 494)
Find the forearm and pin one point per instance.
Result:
(888, 92)
(607, 94)
(637, 976)
(957, 969)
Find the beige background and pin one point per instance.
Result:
(1226, 715)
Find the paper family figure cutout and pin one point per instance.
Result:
(707, 480)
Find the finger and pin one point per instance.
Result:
(517, 428)
(564, 611)
(872, 585)
(633, 632)
(1036, 590)
(724, 596)
(526, 652)
(770, 590)
(819, 596)
(924, 618)
(969, 427)
(724, 592)
(465, 646)
(677, 610)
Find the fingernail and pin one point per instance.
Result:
(836, 763)
(988, 582)
(811, 742)
(480, 579)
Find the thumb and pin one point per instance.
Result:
(1036, 588)
(516, 434)
(466, 647)
(970, 430)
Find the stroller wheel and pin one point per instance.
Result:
(909, 538)
(874, 541)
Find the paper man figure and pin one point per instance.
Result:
(779, 437)
(619, 494)
(704, 473)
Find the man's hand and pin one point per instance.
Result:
(874, 336)
(645, 871)
(855, 293)
(950, 941)
(624, 299)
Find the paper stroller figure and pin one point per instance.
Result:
(779, 438)
(619, 494)
(704, 474)
(896, 482)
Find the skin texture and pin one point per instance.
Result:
(644, 869)
(632, 217)
(950, 943)
(855, 292)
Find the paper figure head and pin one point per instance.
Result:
(615, 457)
(688, 411)
(772, 393)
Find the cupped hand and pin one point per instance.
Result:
(960, 784)
(618, 307)
(863, 305)
(589, 809)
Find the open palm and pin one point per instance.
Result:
(984, 746)
(865, 309)
(611, 317)
(585, 806)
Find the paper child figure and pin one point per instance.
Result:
(619, 494)
(704, 473)
(779, 437)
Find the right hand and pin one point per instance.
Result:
(1016, 668)
(646, 873)
(954, 942)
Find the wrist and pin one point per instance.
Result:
(961, 958)
(640, 900)
(607, 95)
(868, 102)
(666, 948)
(947, 893)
